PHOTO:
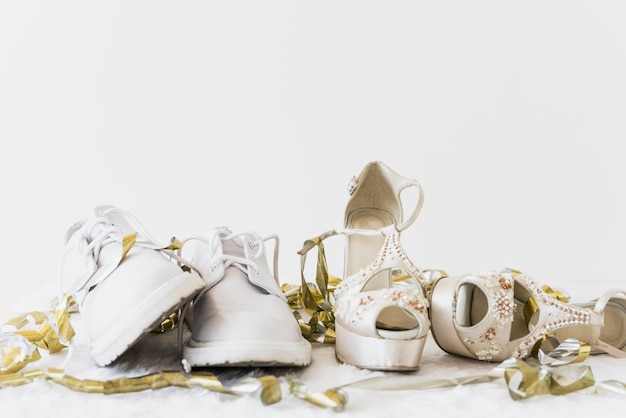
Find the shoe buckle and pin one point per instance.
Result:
(352, 185)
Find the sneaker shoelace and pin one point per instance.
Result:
(95, 234)
(218, 256)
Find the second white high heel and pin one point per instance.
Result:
(491, 316)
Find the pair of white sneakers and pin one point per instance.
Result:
(125, 284)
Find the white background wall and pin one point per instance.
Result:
(256, 114)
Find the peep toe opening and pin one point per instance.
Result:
(473, 308)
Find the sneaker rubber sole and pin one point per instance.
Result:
(248, 353)
(144, 317)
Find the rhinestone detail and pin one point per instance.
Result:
(390, 255)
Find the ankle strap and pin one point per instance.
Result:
(418, 208)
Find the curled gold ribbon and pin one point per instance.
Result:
(552, 353)
(316, 299)
(23, 336)
(531, 305)
(525, 381)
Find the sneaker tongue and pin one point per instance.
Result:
(233, 247)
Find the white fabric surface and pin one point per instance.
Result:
(158, 352)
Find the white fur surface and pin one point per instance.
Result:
(256, 114)
(158, 352)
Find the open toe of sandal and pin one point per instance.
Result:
(493, 316)
(382, 324)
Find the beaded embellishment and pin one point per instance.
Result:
(352, 304)
(494, 342)
(391, 255)
(499, 288)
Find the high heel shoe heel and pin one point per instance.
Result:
(381, 323)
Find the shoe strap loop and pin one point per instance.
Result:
(418, 208)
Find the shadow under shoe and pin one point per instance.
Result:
(381, 323)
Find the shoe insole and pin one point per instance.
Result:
(396, 323)
(361, 250)
(614, 330)
(472, 306)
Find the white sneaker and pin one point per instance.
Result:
(242, 318)
(123, 281)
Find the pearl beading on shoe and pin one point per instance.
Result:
(502, 307)
(561, 315)
(494, 340)
(502, 299)
(355, 309)
(358, 309)
(391, 255)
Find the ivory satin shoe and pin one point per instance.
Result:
(495, 315)
(380, 312)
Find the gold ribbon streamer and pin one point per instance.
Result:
(334, 398)
(316, 299)
(119, 385)
(128, 241)
(552, 353)
(531, 305)
(168, 324)
(37, 332)
(268, 387)
(523, 381)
